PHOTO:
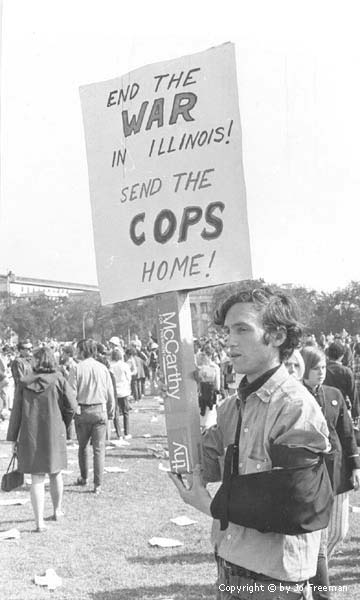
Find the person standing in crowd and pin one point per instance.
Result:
(262, 330)
(130, 359)
(140, 359)
(208, 378)
(101, 356)
(115, 342)
(295, 365)
(122, 376)
(345, 340)
(343, 462)
(93, 387)
(153, 366)
(44, 405)
(21, 365)
(67, 361)
(339, 376)
(66, 364)
(356, 373)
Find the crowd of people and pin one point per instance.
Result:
(265, 391)
(59, 391)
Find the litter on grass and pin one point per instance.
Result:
(182, 521)
(119, 443)
(164, 468)
(10, 534)
(165, 542)
(158, 451)
(11, 501)
(115, 470)
(146, 435)
(51, 580)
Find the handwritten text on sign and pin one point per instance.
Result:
(166, 179)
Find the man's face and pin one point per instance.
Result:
(26, 352)
(249, 353)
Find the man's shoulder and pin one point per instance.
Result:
(336, 368)
(90, 364)
(293, 392)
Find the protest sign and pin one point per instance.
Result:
(166, 177)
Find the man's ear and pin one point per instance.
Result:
(277, 337)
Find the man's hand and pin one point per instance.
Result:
(355, 478)
(195, 494)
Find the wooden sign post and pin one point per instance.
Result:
(177, 366)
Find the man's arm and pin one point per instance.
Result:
(195, 492)
(110, 398)
(17, 370)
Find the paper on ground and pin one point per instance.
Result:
(154, 419)
(165, 542)
(115, 470)
(10, 501)
(146, 435)
(164, 468)
(182, 521)
(119, 443)
(50, 579)
(355, 509)
(10, 534)
(158, 451)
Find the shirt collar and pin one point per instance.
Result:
(265, 392)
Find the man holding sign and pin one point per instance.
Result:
(275, 410)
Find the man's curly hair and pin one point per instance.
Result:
(278, 311)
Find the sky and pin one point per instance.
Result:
(299, 97)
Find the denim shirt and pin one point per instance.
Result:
(282, 411)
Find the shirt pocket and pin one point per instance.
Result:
(257, 465)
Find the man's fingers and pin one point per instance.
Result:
(176, 481)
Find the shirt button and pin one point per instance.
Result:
(229, 536)
(246, 429)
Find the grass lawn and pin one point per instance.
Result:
(101, 549)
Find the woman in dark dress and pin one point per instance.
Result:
(43, 407)
(343, 461)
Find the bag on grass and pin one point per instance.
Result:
(12, 478)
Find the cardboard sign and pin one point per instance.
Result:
(166, 177)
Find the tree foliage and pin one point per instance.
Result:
(76, 316)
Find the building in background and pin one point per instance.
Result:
(28, 287)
